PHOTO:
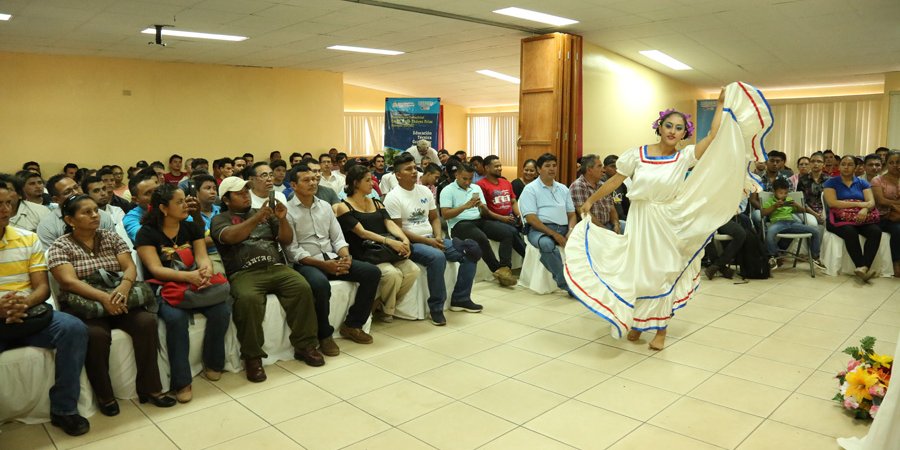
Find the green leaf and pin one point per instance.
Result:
(838, 398)
(868, 344)
(852, 351)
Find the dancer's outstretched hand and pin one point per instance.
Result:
(585, 210)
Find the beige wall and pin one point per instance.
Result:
(362, 99)
(57, 109)
(622, 98)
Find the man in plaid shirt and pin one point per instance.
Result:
(603, 211)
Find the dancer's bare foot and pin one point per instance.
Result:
(633, 335)
(659, 341)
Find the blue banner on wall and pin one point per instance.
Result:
(706, 109)
(406, 120)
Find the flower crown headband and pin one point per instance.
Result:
(687, 118)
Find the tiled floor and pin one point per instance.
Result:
(747, 366)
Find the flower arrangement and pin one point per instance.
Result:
(865, 381)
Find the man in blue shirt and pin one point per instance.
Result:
(549, 215)
(142, 186)
(464, 207)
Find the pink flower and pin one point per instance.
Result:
(873, 410)
(853, 364)
(877, 390)
(842, 373)
(850, 403)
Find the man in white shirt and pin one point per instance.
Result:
(332, 179)
(25, 215)
(279, 172)
(413, 208)
(261, 183)
(320, 254)
(423, 148)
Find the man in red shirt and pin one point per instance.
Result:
(501, 200)
(175, 174)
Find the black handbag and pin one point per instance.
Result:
(39, 317)
(140, 295)
(378, 252)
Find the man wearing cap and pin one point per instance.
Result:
(423, 148)
(412, 207)
(250, 242)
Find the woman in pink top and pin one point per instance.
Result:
(886, 189)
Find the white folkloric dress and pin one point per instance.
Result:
(638, 280)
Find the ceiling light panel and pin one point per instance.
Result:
(535, 16)
(665, 60)
(498, 75)
(5, 16)
(196, 35)
(376, 51)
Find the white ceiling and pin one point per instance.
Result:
(766, 42)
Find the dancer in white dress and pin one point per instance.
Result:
(638, 280)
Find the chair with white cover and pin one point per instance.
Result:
(800, 239)
(415, 305)
(534, 275)
(837, 260)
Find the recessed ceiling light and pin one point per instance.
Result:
(498, 76)
(535, 16)
(377, 51)
(5, 16)
(194, 34)
(665, 59)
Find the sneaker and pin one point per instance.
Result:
(72, 424)
(505, 276)
(711, 271)
(871, 273)
(328, 347)
(212, 375)
(383, 317)
(773, 263)
(861, 272)
(467, 306)
(438, 319)
(727, 272)
(818, 264)
(356, 335)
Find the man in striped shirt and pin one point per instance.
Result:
(23, 285)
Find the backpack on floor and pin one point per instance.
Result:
(754, 258)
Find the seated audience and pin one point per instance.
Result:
(339, 162)
(174, 175)
(363, 218)
(378, 167)
(780, 209)
(142, 186)
(831, 167)
(207, 197)
(501, 199)
(261, 183)
(550, 214)
(411, 206)
(24, 284)
(279, 171)
(429, 178)
(160, 170)
(164, 234)
(620, 195)
(249, 159)
(52, 225)
(25, 215)
(238, 164)
(70, 170)
(719, 263)
(33, 189)
(422, 148)
(477, 163)
(603, 211)
(802, 169)
(321, 254)
(295, 159)
(872, 167)
(330, 178)
(94, 187)
(274, 156)
(85, 249)
(109, 182)
(463, 206)
(223, 168)
(32, 166)
(529, 173)
(120, 188)
(812, 185)
(250, 241)
(850, 202)
(886, 189)
(443, 156)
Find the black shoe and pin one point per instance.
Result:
(72, 424)
(109, 409)
(727, 272)
(711, 271)
(438, 319)
(467, 306)
(160, 401)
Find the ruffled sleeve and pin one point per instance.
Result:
(627, 163)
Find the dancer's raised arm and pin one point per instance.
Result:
(607, 188)
(701, 146)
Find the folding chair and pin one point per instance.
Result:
(798, 238)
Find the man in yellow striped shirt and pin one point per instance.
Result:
(23, 285)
